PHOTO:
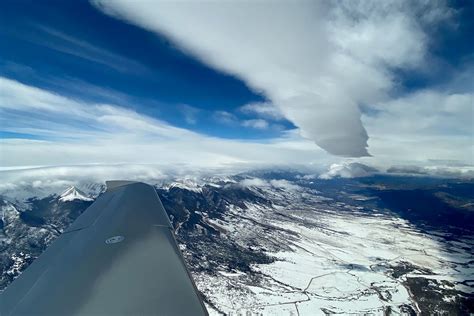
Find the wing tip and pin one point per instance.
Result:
(113, 184)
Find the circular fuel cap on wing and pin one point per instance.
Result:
(114, 240)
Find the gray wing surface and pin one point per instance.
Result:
(119, 257)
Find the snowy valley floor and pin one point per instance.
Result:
(330, 258)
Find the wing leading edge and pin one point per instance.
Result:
(119, 257)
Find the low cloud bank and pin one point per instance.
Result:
(54, 179)
(464, 172)
(358, 170)
(348, 170)
(274, 183)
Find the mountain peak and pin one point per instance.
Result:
(73, 193)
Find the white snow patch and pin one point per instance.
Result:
(72, 194)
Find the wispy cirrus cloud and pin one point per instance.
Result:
(67, 44)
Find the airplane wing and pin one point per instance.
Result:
(119, 257)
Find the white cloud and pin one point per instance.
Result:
(316, 61)
(190, 113)
(273, 183)
(437, 171)
(425, 112)
(348, 170)
(263, 109)
(254, 182)
(59, 175)
(424, 125)
(284, 184)
(225, 117)
(256, 123)
(27, 109)
(19, 184)
(228, 118)
(441, 168)
(79, 132)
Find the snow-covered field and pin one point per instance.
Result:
(336, 258)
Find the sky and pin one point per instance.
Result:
(237, 84)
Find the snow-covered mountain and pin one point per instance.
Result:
(72, 194)
(284, 243)
(21, 194)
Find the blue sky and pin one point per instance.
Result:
(391, 82)
(72, 48)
